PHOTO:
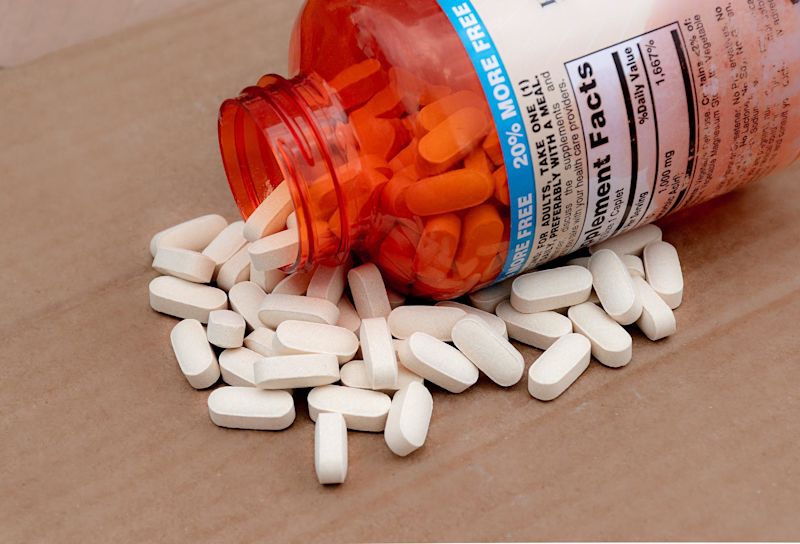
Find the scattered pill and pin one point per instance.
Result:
(632, 242)
(663, 269)
(377, 349)
(251, 408)
(369, 291)
(225, 245)
(193, 235)
(348, 317)
(184, 299)
(234, 270)
(657, 320)
(290, 371)
(539, 330)
(354, 374)
(559, 366)
(494, 322)
(225, 329)
(261, 341)
(276, 309)
(185, 264)
(408, 420)
(611, 344)
(293, 284)
(236, 366)
(330, 448)
(551, 289)
(437, 362)
(305, 337)
(614, 286)
(490, 352)
(266, 279)
(270, 216)
(448, 192)
(195, 357)
(436, 321)
(328, 282)
(245, 299)
(363, 410)
(487, 299)
(275, 251)
(634, 264)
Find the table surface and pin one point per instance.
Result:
(101, 438)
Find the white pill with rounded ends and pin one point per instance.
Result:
(490, 352)
(437, 362)
(487, 299)
(551, 289)
(226, 244)
(614, 286)
(363, 410)
(437, 321)
(245, 299)
(559, 366)
(290, 371)
(194, 234)
(236, 366)
(266, 279)
(395, 299)
(251, 408)
(194, 354)
(275, 309)
(261, 341)
(270, 216)
(611, 344)
(328, 282)
(354, 374)
(630, 243)
(234, 270)
(409, 419)
(378, 353)
(657, 320)
(663, 270)
(579, 261)
(185, 264)
(369, 292)
(291, 221)
(184, 299)
(634, 265)
(495, 323)
(348, 317)
(305, 337)
(539, 330)
(225, 329)
(293, 284)
(330, 448)
(275, 251)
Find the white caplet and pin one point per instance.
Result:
(261, 340)
(490, 352)
(657, 320)
(236, 366)
(377, 349)
(363, 410)
(328, 282)
(195, 357)
(614, 286)
(494, 322)
(275, 309)
(354, 374)
(409, 419)
(266, 279)
(539, 330)
(487, 299)
(634, 264)
(330, 448)
(234, 270)
(611, 344)
(663, 269)
(246, 298)
(184, 263)
(184, 299)
(226, 244)
(305, 337)
(251, 408)
(437, 362)
(551, 289)
(630, 243)
(290, 371)
(194, 234)
(270, 216)
(559, 366)
(369, 292)
(295, 283)
(225, 329)
(437, 321)
(348, 317)
(275, 251)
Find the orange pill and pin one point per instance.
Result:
(437, 112)
(437, 247)
(501, 185)
(406, 157)
(477, 160)
(357, 83)
(449, 192)
(386, 103)
(381, 137)
(491, 145)
(452, 140)
(481, 239)
(393, 196)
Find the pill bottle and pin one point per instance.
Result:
(456, 143)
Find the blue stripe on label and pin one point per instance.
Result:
(509, 123)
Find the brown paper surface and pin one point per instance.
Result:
(102, 440)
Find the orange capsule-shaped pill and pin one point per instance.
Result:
(437, 247)
(449, 192)
(437, 112)
(407, 156)
(477, 160)
(357, 83)
(452, 139)
(501, 185)
(491, 145)
(481, 239)
(385, 103)
(393, 196)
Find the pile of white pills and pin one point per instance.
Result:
(365, 356)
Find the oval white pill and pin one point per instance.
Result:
(194, 234)
(275, 309)
(226, 244)
(634, 265)
(487, 299)
(328, 282)
(495, 323)
(369, 292)
(261, 341)
(614, 287)
(237, 366)
(559, 366)
(611, 344)
(663, 270)
(437, 321)
(377, 349)
(304, 337)
(245, 299)
(657, 320)
(266, 279)
(330, 448)
(275, 251)
(184, 299)
(539, 330)
(185, 264)
(290, 371)
(354, 374)
(630, 243)
(270, 216)
(348, 317)
(234, 270)
(363, 410)
(251, 408)
(293, 284)
(437, 362)
(409, 419)
(195, 357)
(551, 289)
(490, 352)
(225, 329)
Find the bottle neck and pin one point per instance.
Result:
(293, 131)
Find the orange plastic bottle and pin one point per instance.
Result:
(456, 143)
